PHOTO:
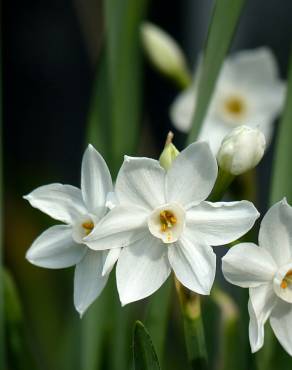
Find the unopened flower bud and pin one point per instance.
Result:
(241, 150)
(165, 54)
(169, 153)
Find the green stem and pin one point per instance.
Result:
(193, 327)
(224, 179)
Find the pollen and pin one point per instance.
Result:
(234, 105)
(167, 220)
(88, 226)
(287, 280)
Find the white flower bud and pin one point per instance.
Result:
(164, 53)
(241, 150)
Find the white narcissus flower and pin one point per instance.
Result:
(248, 91)
(267, 271)
(163, 223)
(241, 150)
(63, 245)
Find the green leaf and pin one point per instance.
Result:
(222, 27)
(282, 170)
(145, 357)
(156, 318)
(123, 47)
(2, 343)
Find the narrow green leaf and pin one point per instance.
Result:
(122, 23)
(156, 318)
(98, 127)
(144, 354)
(222, 27)
(2, 344)
(282, 170)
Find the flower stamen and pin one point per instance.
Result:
(287, 280)
(88, 226)
(167, 220)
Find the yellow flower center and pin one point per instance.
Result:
(235, 106)
(167, 220)
(287, 280)
(88, 226)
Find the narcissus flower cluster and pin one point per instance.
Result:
(156, 220)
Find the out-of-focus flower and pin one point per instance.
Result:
(241, 150)
(164, 53)
(63, 245)
(267, 272)
(248, 91)
(163, 223)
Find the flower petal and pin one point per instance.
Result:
(261, 303)
(140, 182)
(192, 175)
(96, 180)
(61, 202)
(88, 280)
(214, 131)
(111, 258)
(220, 223)
(141, 269)
(120, 227)
(251, 68)
(248, 265)
(281, 323)
(194, 264)
(55, 249)
(182, 109)
(275, 233)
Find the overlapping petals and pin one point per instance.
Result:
(63, 245)
(163, 223)
(266, 270)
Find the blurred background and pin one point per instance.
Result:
(52, 52)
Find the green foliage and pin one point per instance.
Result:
(222, 26)
(145, 357)
(282, 170)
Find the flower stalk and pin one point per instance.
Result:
(190, 304)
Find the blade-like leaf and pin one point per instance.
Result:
(282, 170)
(145, 357)
(157, 315)
(222, 26)
(122, 24)
(2, 344)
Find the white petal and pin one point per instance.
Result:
(261, 303)
(120, 227)
(252, 68)
(55, 248)
(194, 265)
(248, 265)
(61, 202)
(276, 232)
(96, 180)
(141, 269)
(192, 175)
(88, 280)
(111, 258)
(214, 131)
(281, 323)
(140, 182)
(220, 223)
(182, 109)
